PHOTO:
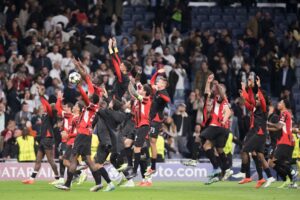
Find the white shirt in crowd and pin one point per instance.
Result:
(55, 57)
(59, 18)
(170, 58)
(181, 76)
(55, 73)
(67, 65)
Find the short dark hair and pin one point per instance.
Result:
(128, 65)
(117, 105)
(286, 103)
(147, 89)
(70, 105)
(95, 99)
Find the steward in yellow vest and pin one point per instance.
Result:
(26, 145)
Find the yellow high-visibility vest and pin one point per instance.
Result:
(296, 152)
(160, 146)
(94, 145)
(228, 147)
(26, 148)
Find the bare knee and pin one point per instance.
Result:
(207, 145)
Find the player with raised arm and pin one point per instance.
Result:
(141, 112)
(160, 100)
(215, 135)
(255, 143)
(281, 161)
(82, 143)
(46, 139)
(122, 68)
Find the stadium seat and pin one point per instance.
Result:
(126, 17)
(203, 10)
(227, 18)
(237, 32)
(219, 25)
(205, 25)
(242, 11)
(229, 11)
(149, 16)
(291, 17)
(215, 11)
(241, 18)
(214, 18)
(279, 19)
(232, 25)
(243, 24)
(137, 18)
(127, 10)
(202, 18)
(139, 9)
(252, 11)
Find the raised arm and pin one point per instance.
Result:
(115, 58)
(58, 104)
(44, 102)
(261, 97)
(84, 95)
(134, 92)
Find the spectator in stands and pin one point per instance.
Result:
(170, 133)
(3, 117)
(23, 116)
(183, 123)
(55, 56)
(25, 146)
(287, 74)
(40, 60)
(9, 140)
(201, 76)
(254, 24)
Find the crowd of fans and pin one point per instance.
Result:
(38, 40)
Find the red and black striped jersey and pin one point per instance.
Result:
(286, 134)
(141, 112)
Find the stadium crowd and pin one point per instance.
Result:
(38, 40)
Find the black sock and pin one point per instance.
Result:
(243, 170)
(224, 162)
(281, 172)
(34, 173)
(247, 169)
(97, 177)
(78, 172)
(268, 172)
(258, 167)
(153, 163)
(104, 174)
(210, 154)
(129, 156)
(137, 158)
(57, 177)
(69, 179)
(143, 167)
(61, 168)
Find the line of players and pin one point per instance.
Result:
(107, 117)
(216, 129)
(127, 122)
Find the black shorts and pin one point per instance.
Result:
(217, 135)
(155, 129)
(141, 135)
(82, 145)
(62, 148)
(283, 152)
(249, 134)
(255, 143)
(46, 144)
(68, 152)
(131, 135)
(102, 153)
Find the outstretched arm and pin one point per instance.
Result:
(112, 43)
(58, 104)
(133, 92)
(84, 95)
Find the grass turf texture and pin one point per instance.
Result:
(15, 190)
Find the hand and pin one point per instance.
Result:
(41, 90)
(210, 78)
(60, 95)
(110, 43)
(114, 42)
(64, 135)
(161, 70)
(104, 91)
(258, 81)
(243, 85)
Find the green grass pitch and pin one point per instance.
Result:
(14, 190)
